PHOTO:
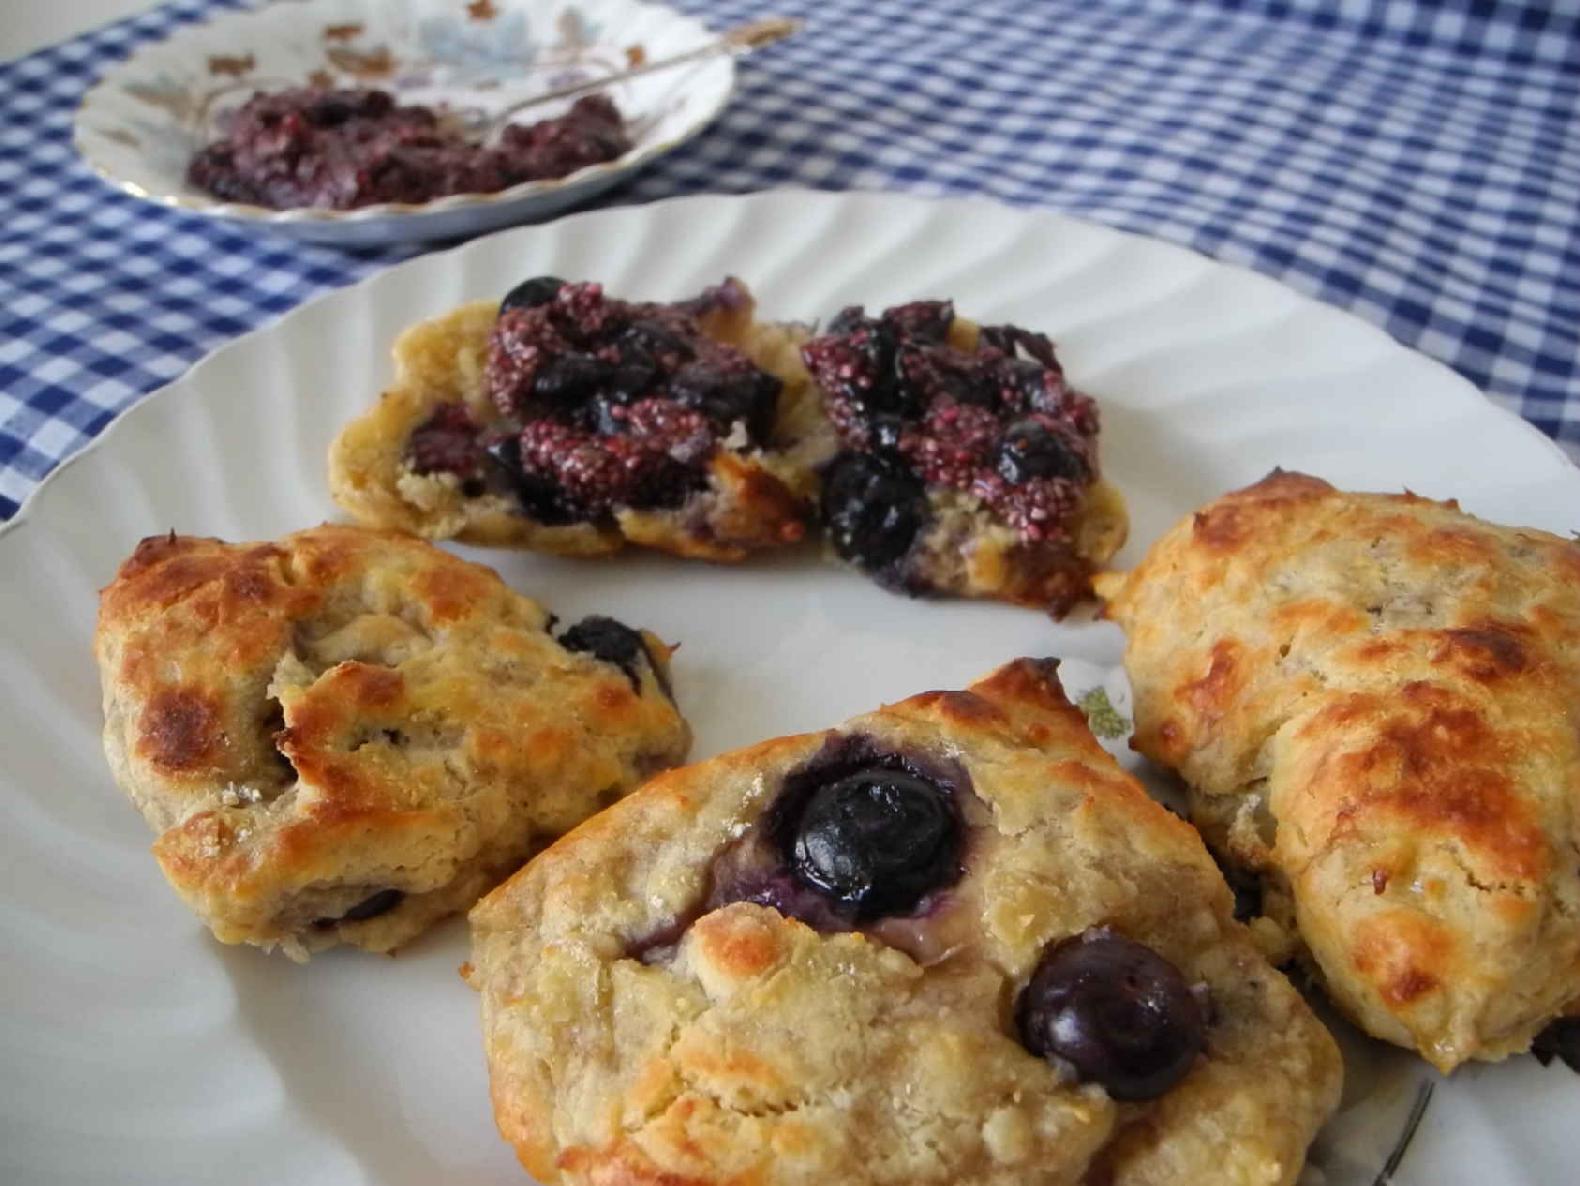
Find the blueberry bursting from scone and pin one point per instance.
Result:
(570, 421)
(346, 735)
(950, 942)
(967, 464)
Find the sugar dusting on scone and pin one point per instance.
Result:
(1375, 700)
(948, 942)
(348, 734)
(968, 464)
(566, 420)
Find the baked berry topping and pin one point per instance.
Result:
(874, 508)
(610, 641)
(611, 404)
(997, 423)
(1115, 1011)
(340, 149)
(529, 294)
(1037, 447)
(370, 907)
(877, 841)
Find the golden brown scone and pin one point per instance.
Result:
(346, 735)
(1375, 700)
(967, 465)
(669, 998)
(727, 474)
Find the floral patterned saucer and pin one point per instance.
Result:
(139, 126)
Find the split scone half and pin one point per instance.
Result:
(565, 420)
(949, 942)
(1375, 701)
(967, 464)
(348, 734)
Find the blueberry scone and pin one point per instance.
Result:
(565, 420)
(1375, 701)
(967, 463)
(349, 734)
(948, 942)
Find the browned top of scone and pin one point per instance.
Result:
(656, 1012)
(1397, 682)
(279, 711)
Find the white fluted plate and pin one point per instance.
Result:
(135, 1050)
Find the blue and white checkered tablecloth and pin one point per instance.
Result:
(1415, 163)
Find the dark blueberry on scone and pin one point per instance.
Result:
(967, 465)
(1115, 1011)
(615, 642)
(567, 420)
(948, 942)
(876, 841)
(348, 734)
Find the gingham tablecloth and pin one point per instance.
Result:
(1415, 163)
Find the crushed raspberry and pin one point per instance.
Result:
(999, 423)
(606, 403)
(602, 472)
(663, 426)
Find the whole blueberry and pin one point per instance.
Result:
(1116, 1011)
(927, 321)
(611, 641)
(877, 841)
(874, 508)
(1030, 449)
(847, 320)
(652, 341)
(1015, 342)
(370, 907)
(727, 395)
(567, 380)
(529, 294)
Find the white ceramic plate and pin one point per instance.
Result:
(135, 1050)
(139, 126)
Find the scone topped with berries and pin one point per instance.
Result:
(967, 464)
(566, 420)
(949, 942)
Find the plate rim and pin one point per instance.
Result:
(248, 213)
(1465, 390)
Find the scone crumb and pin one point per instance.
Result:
(239, 795)
(1007, 1134)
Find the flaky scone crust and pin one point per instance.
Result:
(309, 722)
(765, 1053)
(754, 499)
(1376, 700)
